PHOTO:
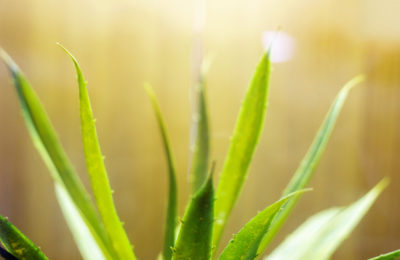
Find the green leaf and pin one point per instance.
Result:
(200, 139)
(244, 245)
(310, 161)
(243, 143)
(172, 210)
(389, 256)
(17, 243)
(195, 235)
(52, 152)
(85, 242)
(97, 172)
(322, 234)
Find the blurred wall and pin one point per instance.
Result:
(121, 44)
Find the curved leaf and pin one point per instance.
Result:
(172, 210)
(194, 238)
(243, 143)
(97, 172)
(52, 152)
(310, 161)
(321, 235)
(17, 243)
(244, 245)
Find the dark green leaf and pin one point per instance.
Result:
(17, 243)
(194, 238)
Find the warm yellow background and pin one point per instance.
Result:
(122, 43)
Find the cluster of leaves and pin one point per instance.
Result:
(99, 233)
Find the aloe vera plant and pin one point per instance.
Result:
(98, 231)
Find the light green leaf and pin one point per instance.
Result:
(87, 246)
(310, 161)
(52, 152)
(389, 256)
(17, 243)
(321, 235)
(244, 245)
(195, 235)
(97, 172)
(200, 136)
(243, 143)
(172, 210)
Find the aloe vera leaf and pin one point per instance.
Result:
(46, 142)
(195, 235)
(388, 256)
(97, 171)
(85, 242)
(172, 210)
(200, 144)
(244, 245)
(243, 143)
(17, 243)
(310, 161)
(321, 235)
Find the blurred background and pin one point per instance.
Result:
(123, 43)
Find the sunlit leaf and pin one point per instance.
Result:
(310, 161)
(97, 172)
(321, 235)
(243, 143)
(52, 152)
(172, 211)
(389, 256)
(195, 234)
(85, 242)
(244, 245)
(17, 243)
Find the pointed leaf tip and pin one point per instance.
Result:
(322, 234)
(199, 134)
(310, 161)
(149, 89)
(354, 82)
(47, 143)
(12, 66)
(98, 173)
(248, 128)
(74, 60)
(172, 214)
